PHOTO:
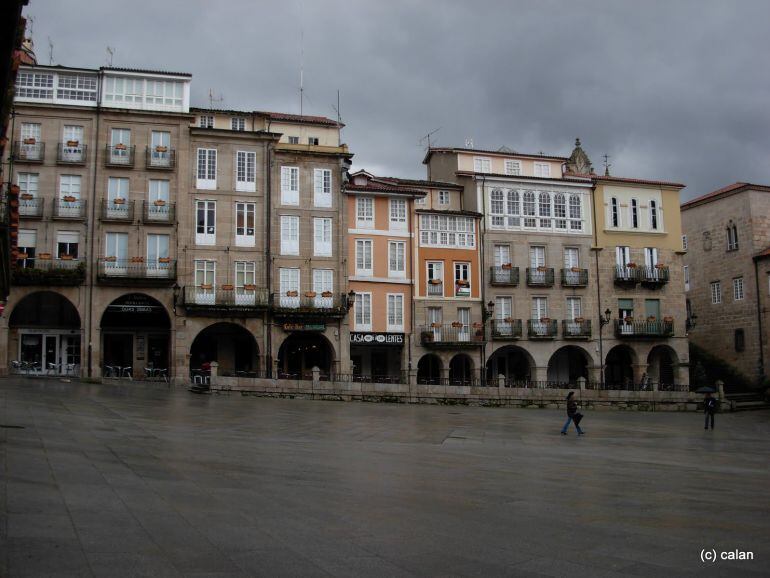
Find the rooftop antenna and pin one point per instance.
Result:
(213, 99)
(469, 143)
(607, 165)
(110, 54)
(339, 115)
(50, 52)
(31, 22)
(427, 137)
(301, 66)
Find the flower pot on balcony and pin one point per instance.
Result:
(507, 266)
(66, 257)
(69, 199)
(462, 283)
(120, 147)
(26, 197)
(73, 143)
(164, 259)
(205, 286)
(631, 265)
(119, 201)
(227, 287)
(628, 319)
(456, 324)
(542, 269)
(22, 256)
(30, 141)
(112, 259)
(435, 325)
(660, 266)
(160, 149)
(575, 269)
(310, 294)
(651, 318)
(292, 294)
(545, 320)
(44, 256)
(668, 319)
(249, 287)
(435, 281)
(137, 259)
(579, 320)
(508, 319)
(326, 294)
(160, 203)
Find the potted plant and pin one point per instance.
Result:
(69, 199)
(310, 294)
(631, 265)
(628, 319)
(660, 266)
(118, 201)
(651, 318)
(160, 149)
(164, 259)
(575, 269)
(44, 256)
(73, 143)
(227, 287)
(507, 266)
(111, 259)
(66, 257)
(542, 269)
(326, 294)
(462, 282)
(435, 325)
(22, 256)
(478, 325)
(292, 294)
(26, 196)
(30, 141)
(205, 286)
(668, 319)
(435, 281)
(137, 259)
(508, 319)
(456, 324)
(249, 287)
(120, 147)
(579, 320)
(160, 203)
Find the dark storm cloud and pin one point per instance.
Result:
(674, 90)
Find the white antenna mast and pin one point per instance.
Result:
(301, 69)
(31, 21)
(110, 54)
(213, 99)
(427, 137)
(50, 52)
(339, 115)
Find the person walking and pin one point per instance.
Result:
(572, 415)
(709, 408)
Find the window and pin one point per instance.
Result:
(289, 287)
(245, 171)
(502, 255)
(528, 206)
(622, 256)
(462, 279)
(544, 210)
(443, 197)
(732, 237)
(684, 242)
(512, 167)
(31, 141)
(76, 87)
(716, 293)
(560, 210)
(322, 187)
(290, 185)
(614, 212)
(116, 250)
(626, 314)
(740, 340)
(69, 186)
(447, 231)
(205, 281)
(206, 121)
(26, 245)
(420, 201)
(289, 235)
(396, 259)
(539, 308)
(160, 148)
(124, 91)
(238, 123)
(72, 134)
(34, 85)
(158, 196)
(117, 198)
(245, 218)
(434, 318)
(634, 214)
(464, 319)
(574, 308)
(28, 186)
(537, 256)
(164, 94)
(67, 244)
(398, 214)
(571, 258)
(395, 311)
(205, 227)
(323, 287)
(654, 215)
(158, 262)
(364, 257)
(245, 274)
(738, 289)
(293, 140)
(364, 212)
(542, 170)
(363, 307)
(435, 278)
(322, 237)
(686, 278)
(503, 311)
(312, 140)
(482, 165)
(207, 169)
(650, 258)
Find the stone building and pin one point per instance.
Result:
(727, 237)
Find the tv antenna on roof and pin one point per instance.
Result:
(31, 22)
(427, 137)
(110, 54)
(213, 99)
(469, 143)
(50, 52)
(607, 165)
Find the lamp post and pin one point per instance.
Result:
(487, 313)
(603, 320)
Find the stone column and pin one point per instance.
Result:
(214, 373)
(540, 373)
(639, 370)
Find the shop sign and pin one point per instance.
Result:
(134, 303)
(359, 338)
(304, 326)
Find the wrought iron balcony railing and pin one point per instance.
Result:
(31, 208)
(119, 155)
(657, 275)
(159, 272)
(44, 270)
(310, 303)
(541, 329)
(504, 329)
(435, 289)
(71, 153)
(451, 335)
(121, 210)
(504, 276)
(574, 277)
(204, 298)
(163, 158)
(649, 328)
(69, 209)
(576, 329)
(29, 151)
(540, 276)
(158, 212)
(625, 275)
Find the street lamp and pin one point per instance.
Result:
(603, 320)
(606, 318)
(351, 299)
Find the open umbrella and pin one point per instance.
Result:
(706, 389)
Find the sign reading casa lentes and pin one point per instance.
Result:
(360, 338)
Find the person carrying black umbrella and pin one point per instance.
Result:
(709, 408)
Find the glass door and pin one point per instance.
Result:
(117, 198)
(116, 254)
(160, 148)
(464, 318)
(436, 279)
(504, 316)
(69, 196)
(31, 143)
(322, 287)
(502, 255)
(72, 144)
(650, 262)
(245, 283)
(622, 259)
(539, 315)
(205, 282)
(574, 311)
(537, 265)
(158, 261)
(626, 316)
(158, 208)
(434, 320)
(571, 266)
(120, 146)
(289, 288)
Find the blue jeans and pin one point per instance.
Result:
(709, 415)
(566, 425)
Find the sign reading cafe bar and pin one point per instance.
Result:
(361, 338)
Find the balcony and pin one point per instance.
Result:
(28, 151)
(135, 272)
(69, 208)
(542, 329)
(228, 300)
(44, 270)
(574, 277)
(505, 276)
(540, 277)
(506, 329)
(644, 329)
(654, 277)
(119, 156)
(435, 288)
(576, 329)
(310, 304)
(117, 210)
(451, 335)
(626, 275)
(160, 158)
(30, 207)
(71, 153)
(158, 214)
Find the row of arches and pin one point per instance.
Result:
(567, 365)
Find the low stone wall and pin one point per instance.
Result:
(459, 395)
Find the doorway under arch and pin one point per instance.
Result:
(302, 351)
(231, 345)
(619, 364)
(568, 364)
(661, 363)
(513, 363)
(429, 369)
(461, 370)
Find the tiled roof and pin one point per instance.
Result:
(567, 178)
(145, 71)
(503, 153)
(220, 110)
(637, 181)
(724, 192)
(449, 212)
(303, 118)
(383, 188)
(419, 182)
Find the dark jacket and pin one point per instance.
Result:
(710, 405)
(571, 407)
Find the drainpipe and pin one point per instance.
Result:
(412, 240)
(759, 324)
(92, 226)
(483, 281)
(268, 320)
(598, 284)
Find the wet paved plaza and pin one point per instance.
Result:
(143, 481)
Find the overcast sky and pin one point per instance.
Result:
(673, 90)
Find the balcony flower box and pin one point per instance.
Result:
(545, 320)
(73, 143)
(43, 256)
(435, 281)
(456, 324)
(292, 294)
(462, 283)
(26, 197)
(508, 319)
(426, 337)
(435, 325)
(164, 259)
(310, 294)
(111, 259)
(579, 320)
(478, 325)
(227, 287)
(507, 266)
(660, 266)
(205, 286)
(575, 269)
(66, 257)
(120, 147)
(631, 265)
(651, 318)
(542, 269)
(137, 259)
(161, 149)
(160, 203)
(22, 256)
(119, 201)
(628, 319)
(326, 294)
(69, 199)
(668, 319)
(249, 287)
(30, 141)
